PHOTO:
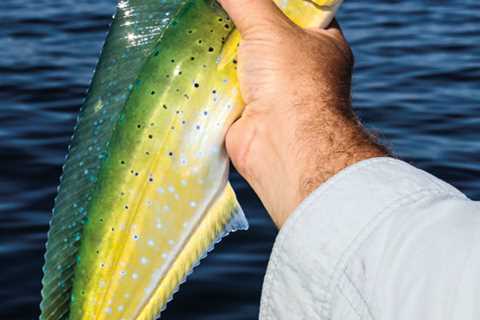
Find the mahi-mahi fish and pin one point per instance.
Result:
(144, 193)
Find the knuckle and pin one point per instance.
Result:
(239, 140)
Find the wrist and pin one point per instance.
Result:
(308, 153)
(337, 145)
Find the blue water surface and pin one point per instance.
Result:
(416, 84)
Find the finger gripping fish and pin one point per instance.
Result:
(144, 194)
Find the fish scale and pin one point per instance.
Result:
(145, 157)
(153, 192)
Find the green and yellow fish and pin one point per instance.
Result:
(144, 193)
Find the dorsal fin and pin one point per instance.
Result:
(135, 29)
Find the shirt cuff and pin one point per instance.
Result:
(316, 242)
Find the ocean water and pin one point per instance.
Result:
(416, 84)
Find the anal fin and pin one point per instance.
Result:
(238, 220)
(223, 217)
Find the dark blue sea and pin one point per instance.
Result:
(417, 85)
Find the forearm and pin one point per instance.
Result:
(287, 157)
(331, 142)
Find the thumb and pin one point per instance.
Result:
(248, 15)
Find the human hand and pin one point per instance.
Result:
(298, 128)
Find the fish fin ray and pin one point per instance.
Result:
(224, 217)
(123, 50)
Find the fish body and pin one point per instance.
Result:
(157, 198)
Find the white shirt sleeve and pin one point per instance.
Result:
(380, 240)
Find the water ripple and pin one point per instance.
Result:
(416, 83)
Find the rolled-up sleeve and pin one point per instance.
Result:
(379, 240)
